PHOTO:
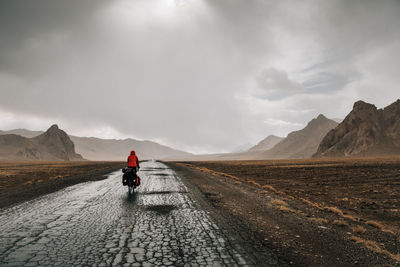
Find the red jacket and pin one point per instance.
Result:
(133, 160)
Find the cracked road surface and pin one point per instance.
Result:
(98, 224)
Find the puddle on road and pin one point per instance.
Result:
(153, 169)
(161, 174)
(129, 200)
(161, 209)
(164, 192)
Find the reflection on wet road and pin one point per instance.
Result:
(97, 224)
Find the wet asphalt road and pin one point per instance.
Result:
(98, 224)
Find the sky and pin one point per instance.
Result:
(204, 76)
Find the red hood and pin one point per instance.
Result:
(133, 153)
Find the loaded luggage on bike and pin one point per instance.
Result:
(129, 173)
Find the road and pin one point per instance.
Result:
(98, 224)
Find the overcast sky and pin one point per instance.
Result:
(198, 75)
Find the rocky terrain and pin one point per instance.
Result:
(302, 143)
(54, 144)
(366, 131)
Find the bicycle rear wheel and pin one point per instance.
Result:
(131, 186)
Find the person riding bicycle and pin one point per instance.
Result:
(133, 165)
(133, 161)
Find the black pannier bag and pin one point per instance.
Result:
(125, 179)
(129, 173)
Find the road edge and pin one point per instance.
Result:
(246, 242)
(52, 186)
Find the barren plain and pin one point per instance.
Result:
(20, 181)
(310, 212)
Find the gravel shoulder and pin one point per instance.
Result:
(270, 228)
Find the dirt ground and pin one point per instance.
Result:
(21, 181)
(331, 212)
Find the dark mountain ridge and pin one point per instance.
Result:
(54, 144)
(366, 131)
(302, 143)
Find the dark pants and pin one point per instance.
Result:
(133, 171)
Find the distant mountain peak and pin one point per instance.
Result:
(267, 143)
(302, 143)
(394, 106)
(54, 133)
(54, 144)
(317, 122)
(360, 105)
(53, 128)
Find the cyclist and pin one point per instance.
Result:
(133, 165)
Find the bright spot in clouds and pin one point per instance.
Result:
(148, 13)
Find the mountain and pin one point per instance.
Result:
(298, 144)
(267, 143)
(365, 131)
(303, 143)
(22, 132)
(92, 148)
(54, 144)
(111, 149)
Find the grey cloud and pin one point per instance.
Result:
(187, 82)
(25, 25)
(276, 85)
(327, 82)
